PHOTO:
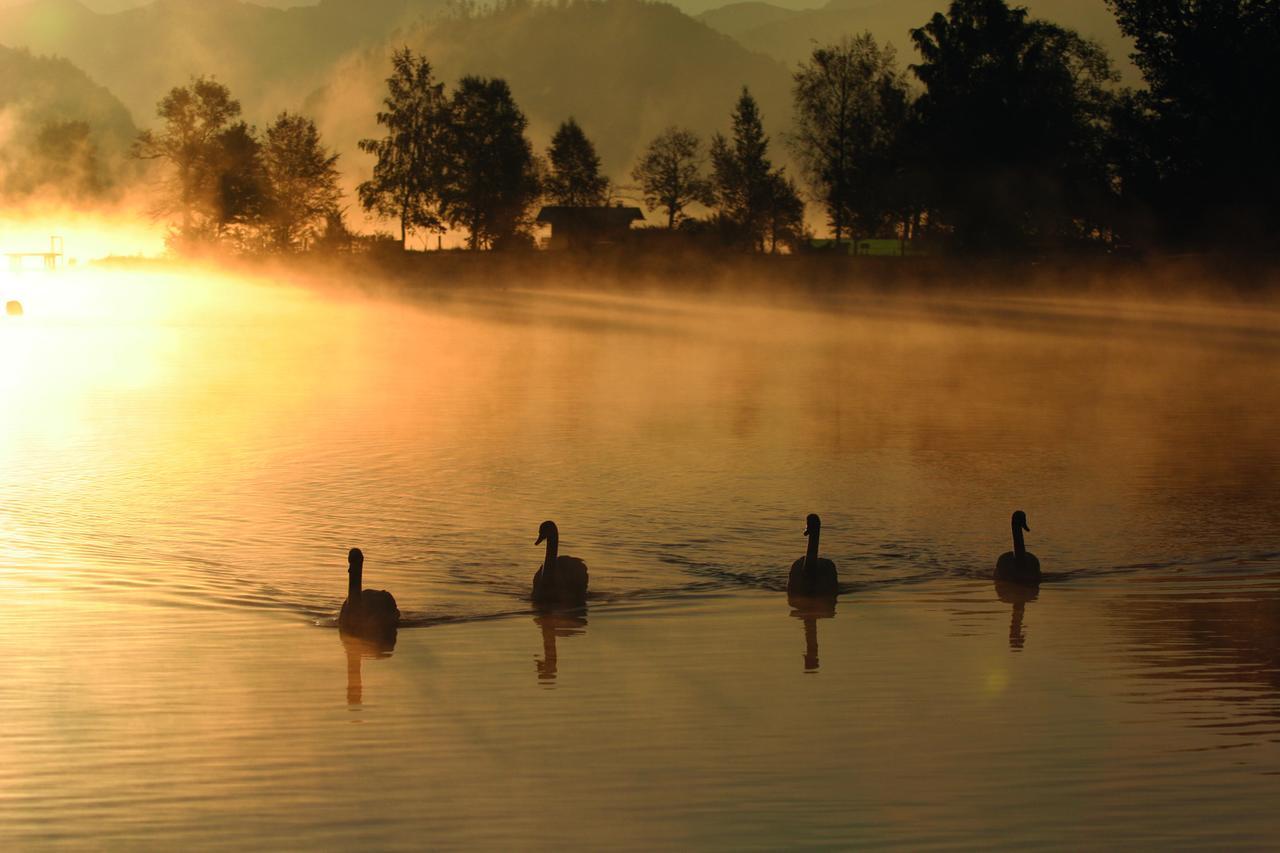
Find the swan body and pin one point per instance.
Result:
(561, 580)
(370, 613)
(1018, 564)
(821, 580)
(811, 575)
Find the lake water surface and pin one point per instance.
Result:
(187, 458)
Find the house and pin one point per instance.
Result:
(587, 227)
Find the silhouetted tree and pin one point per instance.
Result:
(741, 172)
(302, 182)
(1210, 113)
(670, 174)
(192, 144)
(489, 179)
(783, 213)
(335, 236)
(1131, 146)
(242, 194)
(1013, 118)
(851, 107)
(406, 177)
(574, 178)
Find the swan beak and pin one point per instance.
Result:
(806, 531)
(1024, 527)
(539, 539)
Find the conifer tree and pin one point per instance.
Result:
(575, 179)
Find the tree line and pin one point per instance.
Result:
(463, 161)
(1008, 133)
(226, 183)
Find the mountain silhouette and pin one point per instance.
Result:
(270, 58)
(36, 91)
(789, 35)
(623, 69)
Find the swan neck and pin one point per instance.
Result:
(1016, 638)
(553, 549)
(353, 582)
(1018, 547)
(811, 555)
(810, 643)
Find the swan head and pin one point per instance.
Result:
(812, 524)
(547, 531)
(355, 560)
(1020, 521)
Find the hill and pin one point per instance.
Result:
(789, 35)
(269, 57)
(36, 92)
(624, 69)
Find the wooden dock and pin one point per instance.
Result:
(50, 261)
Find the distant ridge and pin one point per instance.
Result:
(624, 68)
(789, 35)
(38, 89)
(38, 92)
(269, 56)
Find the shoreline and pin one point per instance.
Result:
(1250, 278)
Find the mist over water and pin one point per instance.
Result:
(188, 455)
(215, 435)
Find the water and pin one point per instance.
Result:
(188, 457)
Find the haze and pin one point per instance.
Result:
(614, 425)
(659, 56)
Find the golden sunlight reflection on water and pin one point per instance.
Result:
(187, 456)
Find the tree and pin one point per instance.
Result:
(489, 178)
(302, 183)
(240, 199)
(405, 178)
(783, 213)
(851, 107)
(191, 143)
(334, 236)
(670, 174)
(741, 172)
(575, 179)
(1209, 65)
(1013, 120)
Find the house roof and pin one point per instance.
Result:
(590, 217)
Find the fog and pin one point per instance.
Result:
(197, 426)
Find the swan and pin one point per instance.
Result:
(371, 613)
(812, 575)
(561, 580)
(1018, 564)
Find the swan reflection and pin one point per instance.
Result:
(810, 609)
(1019, 594)
(358, 649)
(556, 624)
